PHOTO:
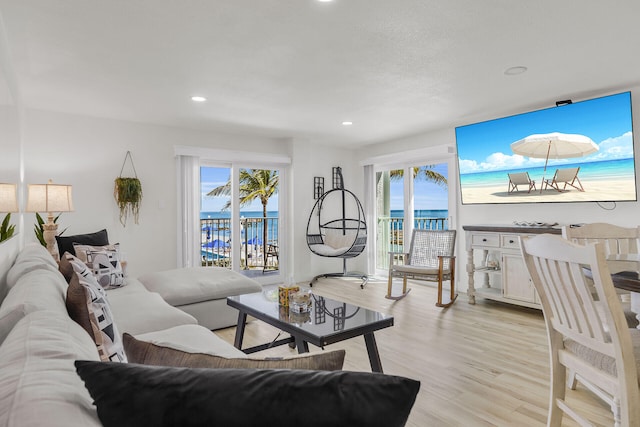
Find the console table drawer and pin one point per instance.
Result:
(490, 240)
(510, 241)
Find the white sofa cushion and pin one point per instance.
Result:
(34, 256)
(38, 381)
(138, 311)
(184, 286)
(38, 289)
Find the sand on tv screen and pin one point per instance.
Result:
(580, 152)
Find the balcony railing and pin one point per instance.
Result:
(217, 243)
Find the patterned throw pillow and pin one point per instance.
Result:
(104, 262)
(87, 304)
(147, 353)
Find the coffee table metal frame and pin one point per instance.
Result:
(301, 336)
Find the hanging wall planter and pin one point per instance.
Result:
(128, 193)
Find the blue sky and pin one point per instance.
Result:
(607, 121)
(211, 178)
(426, 194)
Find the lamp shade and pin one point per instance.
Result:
(8, 197)
(49, 198)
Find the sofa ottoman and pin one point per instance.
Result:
(202, 292)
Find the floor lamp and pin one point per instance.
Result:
(50, 198)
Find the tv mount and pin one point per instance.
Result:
(565, 102)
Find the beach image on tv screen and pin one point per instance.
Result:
(580, 152)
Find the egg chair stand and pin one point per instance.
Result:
(337, 229)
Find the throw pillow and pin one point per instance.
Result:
(104, 263)
(128, 394)
(87, 305)
(147, 353)
(337, 239)
(65, 266)
(65, 243)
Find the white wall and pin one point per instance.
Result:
(308, 161)
(624, 214)
(88, 153)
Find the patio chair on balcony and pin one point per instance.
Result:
(272, 254)
(430, 257)
(337, 229)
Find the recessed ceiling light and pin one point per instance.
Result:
(198, 98)
(346, 123)
(512, 71)
(325, 1)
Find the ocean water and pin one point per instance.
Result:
(610, 169)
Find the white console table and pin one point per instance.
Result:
(510, 281)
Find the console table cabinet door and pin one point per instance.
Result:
(516, 283)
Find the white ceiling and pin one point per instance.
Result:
(298, 68)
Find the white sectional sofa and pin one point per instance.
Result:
(39, 342)
(44, 354)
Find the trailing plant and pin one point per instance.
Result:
(128, 195)
(6, 230)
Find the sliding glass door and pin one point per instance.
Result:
(408, 197)
(240, 219)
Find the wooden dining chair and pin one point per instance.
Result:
(586, 330)
(617, 241)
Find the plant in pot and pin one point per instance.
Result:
(6, 230)
(38, 228)
(128, 194)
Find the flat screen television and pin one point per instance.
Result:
(579, 152)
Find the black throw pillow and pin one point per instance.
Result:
(128, 394)
(65, 243)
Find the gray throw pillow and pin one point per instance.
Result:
(147, 353)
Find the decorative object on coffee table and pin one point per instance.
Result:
(128, 193)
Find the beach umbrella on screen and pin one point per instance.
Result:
(554, 145)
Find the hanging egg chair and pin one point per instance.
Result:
(337, 229)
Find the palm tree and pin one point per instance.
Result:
(427, 172)
(254, 184)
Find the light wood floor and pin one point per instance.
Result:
(479, 365)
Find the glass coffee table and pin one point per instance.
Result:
(329, 321)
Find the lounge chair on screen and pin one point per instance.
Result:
(565, 177)
(521, 178)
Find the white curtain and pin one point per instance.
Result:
(370, 213)
(188, 169)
